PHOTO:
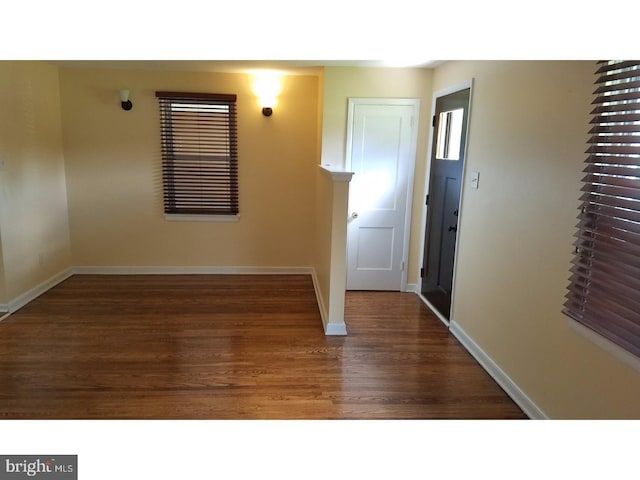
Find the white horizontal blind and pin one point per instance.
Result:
(604, 293)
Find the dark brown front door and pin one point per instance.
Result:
(447, 161)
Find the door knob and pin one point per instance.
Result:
(453, 228)
(354, 215)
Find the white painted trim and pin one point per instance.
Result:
(437, 94)
(337, 174)
(517, 395)
(410, 102)
(435, 311)
(177, 217)
(176, 270)
(607, 345)
(30, 295)
(468, 84)
(335, 329)
(324, 315)
(411, 288)
(449, 90)
(22, 300)
(329, 328)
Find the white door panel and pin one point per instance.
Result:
(375, 248)
(381, 152)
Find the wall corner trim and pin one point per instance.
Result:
(329, 328)
(35, 292)
(324, 315)
(411, 288)
(337, 174)
(30, 295)
(517, 395)
(335, 329)
(189, 270)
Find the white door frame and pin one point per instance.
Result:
(412, 102)
(423, 218)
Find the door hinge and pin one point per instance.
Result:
(403, 265)
(433, 121)
(421, 272)
(426, 201)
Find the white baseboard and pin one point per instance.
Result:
(330, 329)
(4, 311)
(22, 300)
(411, 288)
(19, 302)
(335, 329)
(434, 310)
(324, 315)
(177, 270)
(501, 378)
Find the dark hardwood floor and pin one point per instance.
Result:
(233, 347)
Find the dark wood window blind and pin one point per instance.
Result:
(199, 153)
(604, 290)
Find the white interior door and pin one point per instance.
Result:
(381, 143)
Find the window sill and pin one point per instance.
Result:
(173, 217)
(606, 344)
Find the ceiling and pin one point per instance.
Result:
(289, 67)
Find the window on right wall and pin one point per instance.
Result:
(604, 289)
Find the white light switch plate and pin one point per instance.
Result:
(475, 179)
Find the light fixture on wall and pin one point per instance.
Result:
(124, 100)
(267, 86)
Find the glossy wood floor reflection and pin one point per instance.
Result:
(233, 347)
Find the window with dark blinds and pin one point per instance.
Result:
(199, 153)
(604, 290)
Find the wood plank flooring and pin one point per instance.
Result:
(233, 347)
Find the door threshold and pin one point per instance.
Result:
(435, 311)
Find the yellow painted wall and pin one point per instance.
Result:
(115, 184)
(341, 83)
(527, 134)
(33, 203)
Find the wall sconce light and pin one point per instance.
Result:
(267, 86)
(124, 100)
